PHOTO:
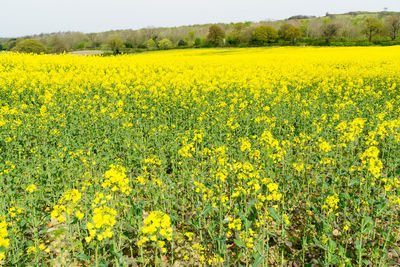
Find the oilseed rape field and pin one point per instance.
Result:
(209, 157)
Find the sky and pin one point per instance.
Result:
(26, 17)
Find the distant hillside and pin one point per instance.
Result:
(349, 28)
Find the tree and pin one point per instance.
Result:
(289, 32)
(265, 34)
(150, 44)
(94, 41)
(182, 43)
(372, 27)
(59, 48)
(305, 24)
(197, 42)
(235, 37)
(215, 35)
(30, 46)
(164, 44)
(116, 45)
(189, 38)
(329, 31)
(393, 26)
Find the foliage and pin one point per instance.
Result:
(289, 32)
(330, 30)
(182, 43)
(235, 36)
(164, 44)
(150, 43)
(215, 35)
(372, 27)
(393, 25)
(197, 42)
(59, 48)
(265, 34)
(116, 45)
(30, 46)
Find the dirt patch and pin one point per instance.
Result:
(87, 52)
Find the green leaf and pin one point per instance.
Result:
(367, 224)
(274, 214)
(258, 260)
(239, 243)
(83, 257)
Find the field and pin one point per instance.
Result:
(222, 157)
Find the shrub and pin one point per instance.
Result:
(116, 45)
(59, 48)
(182, 43)
(164, 44)
(197, 42)
(265, 34)
(289, 32)
(30, 46)
(150, 44)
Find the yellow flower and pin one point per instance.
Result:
(189, 235)
(157, 226)
(79, 215)
(31, 249)
(31, 188)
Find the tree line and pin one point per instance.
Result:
(354, 28)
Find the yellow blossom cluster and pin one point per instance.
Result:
(4, 240)
(115, 178)
(370, 159)
(156, 228)
(67, 204)
(104, 218)
(331, 203)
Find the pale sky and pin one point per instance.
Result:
(23, 17)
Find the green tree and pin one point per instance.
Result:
(372, 27)
(330, 30)
(215, 35)
(265, 34)
(197, 42)
(305, 24)
(190, 37)
(116, 45)
(59, 47)
(393, 26)
(235, 36)
(182, 43)
(289, 32)
(150, 44)
(30, 46)
(164, 44)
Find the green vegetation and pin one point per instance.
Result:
(215, 35)
(30, 46)
(289, 32)
(164, 44)
(393, 25)
(265, 34)
(329, 31)
(201, 157)
(372, 27)
(350, 29)
(116, 45)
